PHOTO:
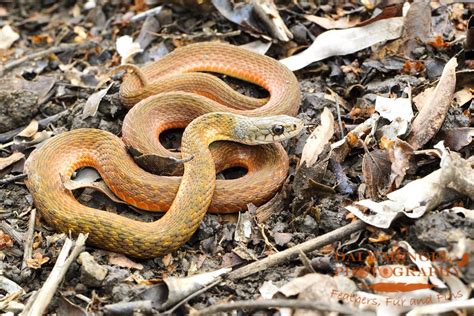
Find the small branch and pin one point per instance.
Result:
(28, 249)
(7, 229)
(185, 300)
(290, 253)
(279, 303)
(60, 268)
(12, 179)
(144, 15)
(52, 50)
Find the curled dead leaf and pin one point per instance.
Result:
(318, 139)
(5, 240)
(36, 261)
(10, 160)
(431, 116)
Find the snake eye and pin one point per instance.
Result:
(278, 129)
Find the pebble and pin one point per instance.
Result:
(92, 273)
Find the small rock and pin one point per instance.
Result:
(309, 225)
(282, 239)
(92, 273)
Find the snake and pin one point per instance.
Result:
(221, 128)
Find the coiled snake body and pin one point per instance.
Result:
(188, 197)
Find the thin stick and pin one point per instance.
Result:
(12, 179)
(60, 268)
(17, 236)
(278, 303)
(204, 289)
(290, 253)
(27, 248)
(52, 50)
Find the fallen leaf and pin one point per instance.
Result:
(146, 36)
(10, 160)
(268, 289)
(400, 153)
(243, 229)
(5, 240)
(463, 96)
(36, 261)
(330, 24)
(7, 37)
(24, 143)
(269, 15)
(375, 169)
(258, 47)
(392, 108)
(423, 263)
(380, 236)
(122, 261)
(30, 130)
(318, 139)
(241, 14)
(417, 26)
(66, 307)
(456, 138)
(344, 42)
(431, 117)
(93, 101)
(37, 240)
(421, 195)
(282, 239)
(127, 48)
(422, 98)
(100, 186)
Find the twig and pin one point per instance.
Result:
(8, 136)
(129, 308)
(28, 249)
(53, 50)
(197, 35)
(12, 179)
(57, 274)
(278, 303)
(17, 236)
(339, 120)
(143, 15)
(292, 252)
(183, 301)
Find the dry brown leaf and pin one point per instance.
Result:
(30, 130)
(37, 261)
(400, 153)
(457, 138)
(92, 103)
(375, 169)
(417, 26)
(431, 116)
(268, 13)
(37, 240)
(122, 261)
(381, 236)
(10, 160)
(318, 139)
(423, 97)
(99, 186)
(421, 195)
(5, 240)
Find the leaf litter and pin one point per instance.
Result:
(398, 86)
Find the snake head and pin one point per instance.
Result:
(268, 129)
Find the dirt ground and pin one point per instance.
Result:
(54, 90)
